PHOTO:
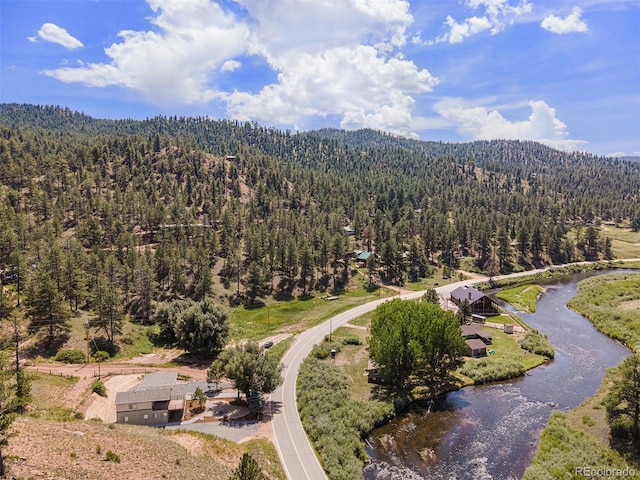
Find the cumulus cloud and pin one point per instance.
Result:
(497, 16)
(347, 65)
(55, 34)
(173, 64)
(480, 123)
(572, 23)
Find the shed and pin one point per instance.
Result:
(373, 373)
(476, 348)
(477, 332)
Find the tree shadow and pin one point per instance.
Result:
(48, 346)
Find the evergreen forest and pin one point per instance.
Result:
(113, 215)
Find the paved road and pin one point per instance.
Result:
(297, 455)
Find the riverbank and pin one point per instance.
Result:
(338, 407)
(581, 437)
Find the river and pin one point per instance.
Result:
(492, 431)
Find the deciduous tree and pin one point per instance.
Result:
(203, 329)
(246, 364)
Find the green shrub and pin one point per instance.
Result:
(334, 421)
(483, 371)
(71, 356)
(99, 388)
(537, 343)
(323, 350)
(112, 457)
(586, 419)
(563, 448)
(352, 340)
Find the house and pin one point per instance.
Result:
(157, 400)
(477, 339)
(362, 256)
(480, 304)
(349, 230)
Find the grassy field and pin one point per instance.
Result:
(436, 280)
(612, 303)
(523, 297)
(581, 436)
(624, 242)
(509, 360)
(297, 314)
(49, 394)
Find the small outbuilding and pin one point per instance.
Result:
(476, 348)
(373, 373)
(476, 331)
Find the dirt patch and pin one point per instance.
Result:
(104, 408)
(77, 451)
(193, 444)
(159, 357)
(630, 305)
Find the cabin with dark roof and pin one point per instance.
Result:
(480, 304)
(476, 348)
(477, 339)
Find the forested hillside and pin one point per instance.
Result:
(171, 207)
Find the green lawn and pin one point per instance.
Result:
(523, 297)
(507, 361)
(432, 282)
(296, 314)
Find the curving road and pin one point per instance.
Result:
(296, 453)
(294, 448)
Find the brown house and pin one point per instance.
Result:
(480, 304)
(477, 339)
(476, 348)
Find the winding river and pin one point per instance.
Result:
(492, 431)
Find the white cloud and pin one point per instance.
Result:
(570, 24)
(174, 64)
(327, 64)
(497, 16)
(332, 64)
(622, 154)
(479, 123)
(55, 34)
(230, 66)
(356, 83)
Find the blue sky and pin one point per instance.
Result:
(563, 72)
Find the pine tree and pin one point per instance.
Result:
(22, 384)
(248, 469)
(7, 415)
(45, 305)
